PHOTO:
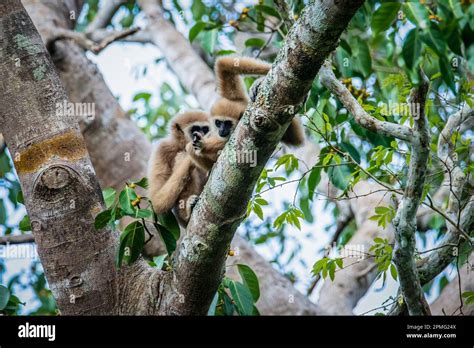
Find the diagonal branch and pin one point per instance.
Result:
(105, 14)
(196, 77)
(329, 80)
(201, 255)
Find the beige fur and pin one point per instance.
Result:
(174, 180)
(231, 105)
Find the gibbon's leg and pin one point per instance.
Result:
(190, 203)
(163, 195)
(228, 71)
(294, 134)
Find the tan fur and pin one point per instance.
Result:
(173, 177)
(232, 104)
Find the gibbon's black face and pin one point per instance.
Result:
(224, 127)
(198, 131)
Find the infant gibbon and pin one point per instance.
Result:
(174, 180)
(230, 107)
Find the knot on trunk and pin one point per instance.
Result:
(263, 123)
(55, 178)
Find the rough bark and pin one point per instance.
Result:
(118, 149)
(405, 219)
(57, 179)
(111, 136)
(201, 255)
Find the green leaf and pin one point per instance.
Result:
(25, 224)
(19, 198)
(250, 280)
(196, 29)
(447, 74)
(255, 42)
(145, 96)
(363, 57)
(168, 238)
(159, 261)
(416, 13)
(102, 219)
(393, 271)
(143, 183)
(125, 199)
(258, 211)
(434, 39)
(212, 307)
(313, 180)
(4, 297)
(339, 176)
(209, 40)
(143, 213)
(411, 48)
(132, 240)
(268, 10)
(169, 221)
(347, 147)
(109, 196)
(383, 18)
(242, 297)
(225, 52)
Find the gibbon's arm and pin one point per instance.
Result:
(208, 152)
(164, 189)
(228, 71)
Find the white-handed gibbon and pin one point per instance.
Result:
(174, 180)
(230, 107)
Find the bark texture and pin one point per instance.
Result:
(58, 181)
(202, 253)
(111, 136)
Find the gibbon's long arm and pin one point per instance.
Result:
(164, 189)
(208, 153)
(228, 71)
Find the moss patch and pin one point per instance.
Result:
(67, 146)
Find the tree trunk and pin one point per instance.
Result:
(111, 136)
(202, 253)
(62, 195)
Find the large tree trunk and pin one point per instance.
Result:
(111, 137)
(222, 206)
(62, 195)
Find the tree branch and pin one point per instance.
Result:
(190, 69)
(201, 255)
(329, 80)
(405, 219)
(17, 239)
(120, 151)
(105, 14)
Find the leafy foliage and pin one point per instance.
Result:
(136, 234)
(237, 297)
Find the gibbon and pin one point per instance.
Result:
(230, 107)
(174, 180)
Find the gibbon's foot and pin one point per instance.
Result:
(192, 201)
(254, 88)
